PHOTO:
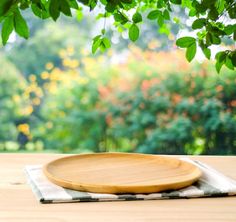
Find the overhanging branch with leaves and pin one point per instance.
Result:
(213, 21)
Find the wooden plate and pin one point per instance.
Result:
(121, 173)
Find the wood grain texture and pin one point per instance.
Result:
(121, 173)
(18, 204)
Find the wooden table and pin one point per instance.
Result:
(18, 204)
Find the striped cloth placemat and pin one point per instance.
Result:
(211, 184)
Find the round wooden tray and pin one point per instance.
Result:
(121, 173)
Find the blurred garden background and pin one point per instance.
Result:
(55, 96)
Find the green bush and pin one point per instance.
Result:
(13, 105)
(102, 107)
(140, 105)
(181, 114)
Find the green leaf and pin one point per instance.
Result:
(121, 18)
(208, 39)
(160, 20)
(232, 12)
(92, 4)
(104, 2)
(20, 25)
(153, 14)
(7, 28)
(164, 30)
(103, 31)
(102, 47)
(5, 5)
(177, 2)
(73, 4)
(207, 53)
(166, 15)
(176, 20)
(111, 6)
(85, 2)
(97, 37)
(229, 29)
(133, 32)
(216, 40)
(24, 5)
(228, 63)
(233, 56)
(96, 43)
(54, 9)
(192, 12)
(160, 4)
(65, 7)
(100, 15)
(234, 36)
(137, 17)
(191, 52)
(220, 6)
(187, 3)
(43, 14)
(199, 23)
(218, 66)
(79, 15)
(120, 29)
(213, 14)
(106, 42)
(220, 60)
(221, 56)
(185, 42)
(127, 1)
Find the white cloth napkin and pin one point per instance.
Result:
(211, 184)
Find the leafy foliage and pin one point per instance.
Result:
(148, 111)
(14, 106)
(91, 104)
(214, 21)
(55, 37)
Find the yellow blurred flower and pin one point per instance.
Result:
(46, 86)
(62, 53)
(74, 63)
(49, 66)
(70, 50)
(32, 78)
(72, 73)
(26, 95)
(52, 88)
(24, 128)
(39, 92)
(82, 80)
(31, 88)
(16, 98)
(66, 62)
(36, 101)
(85, 52)
(27, 110)
(56, 71)
(44, 75)
(70, 63)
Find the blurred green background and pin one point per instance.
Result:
(55, 96)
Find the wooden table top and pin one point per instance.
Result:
(18, 204)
